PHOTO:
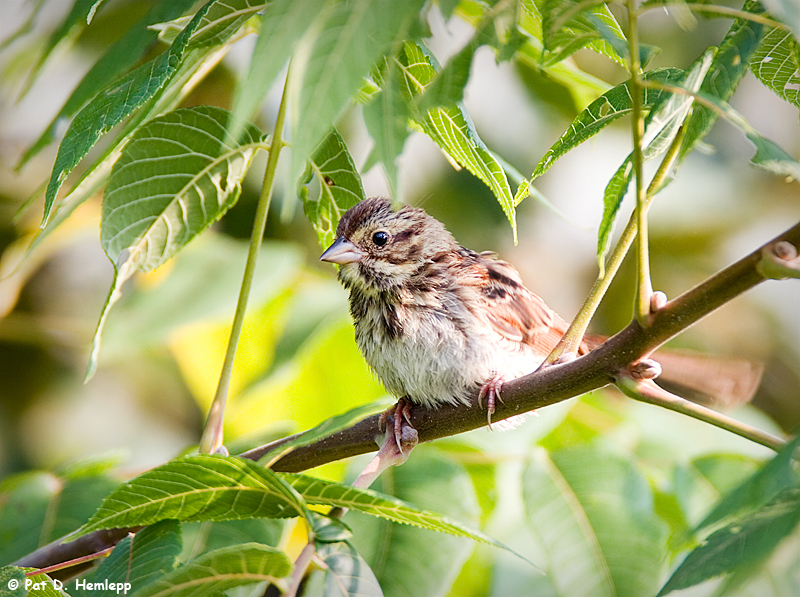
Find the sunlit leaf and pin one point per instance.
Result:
(178, 174)
(776, 63)
(666, 117)
(222, 20)
(339, 186)
(194, 488)
(387, 118)
(727, 69)
(220, 570)
(569, 25)
(609, 107)
(283, 24)
(452, 130)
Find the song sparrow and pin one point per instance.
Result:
(436, 321)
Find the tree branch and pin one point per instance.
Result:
(547, 386)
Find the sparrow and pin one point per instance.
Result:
(437, 322)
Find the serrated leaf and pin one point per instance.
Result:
(12, 582)
(594, 515)
(741, 545)
(138, 559)
(339, 186)
(609, 107)
(452, 130)
(352, 38)
(345, 574)
(776, 63)
(117, 59)
(757, 490)
(197, 488)
(220, 570)
(177, 175)
(112, 105)
(569, 25)
(222, 20)
(318, 491)
(727, 69)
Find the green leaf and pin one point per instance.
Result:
(788, 11)
(222, 20)
(743, 544)
(726, 72)
(345, 574)
(222, 569)
(339, 186)
(138, 560)
(594, 515)
(177, 175)
(118, 58)
(759, 489)
(283, 24)
(112, 105)
(200, 537)
(387, 119)
(609, 107)
(196, 488)
(592, 26)
(352, 37)
(39, 507)
(453, 131)
(12, 582)
(776, 63)
(318, 491)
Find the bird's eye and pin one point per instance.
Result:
(380, 238)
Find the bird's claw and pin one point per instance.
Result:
(405, 436)
(491, 391)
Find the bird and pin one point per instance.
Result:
(437, 322)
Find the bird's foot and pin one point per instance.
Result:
(491, 391)
(405, 436)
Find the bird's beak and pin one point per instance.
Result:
(342, 251)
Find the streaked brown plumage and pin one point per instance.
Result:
(436, 321)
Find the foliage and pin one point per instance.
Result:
(568, 506)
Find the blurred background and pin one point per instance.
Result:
(298, 364)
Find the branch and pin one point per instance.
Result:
(558, 382)
(774, 260)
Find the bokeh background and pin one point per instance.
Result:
(298, 364)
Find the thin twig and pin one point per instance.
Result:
(211, 440)
(650, 393)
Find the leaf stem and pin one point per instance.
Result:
(211, 440)
(643, 287)
(720, 10)
(571, 340)
(650, 393)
